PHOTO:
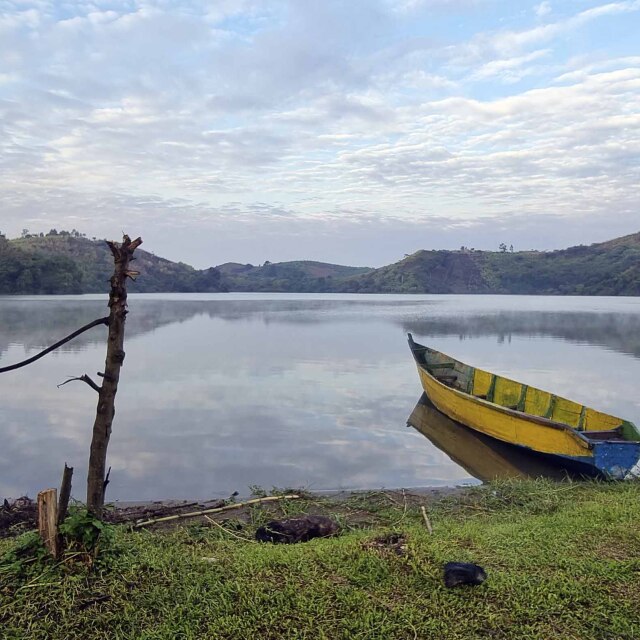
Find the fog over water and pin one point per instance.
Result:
(222, 391)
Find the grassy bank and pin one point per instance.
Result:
(563, 562)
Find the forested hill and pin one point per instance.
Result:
(67, 262)
(70, 263)
(607, 268)
(298, 276)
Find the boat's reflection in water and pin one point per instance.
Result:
(482, 456)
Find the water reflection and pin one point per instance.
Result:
(614, 323)
(222, 391)
(616, 331)
(482, 457)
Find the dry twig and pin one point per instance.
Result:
(228, 507)
(235, 535)
(426, 519)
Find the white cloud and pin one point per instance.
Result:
(543, 9)
(244, 115)
(508, 69)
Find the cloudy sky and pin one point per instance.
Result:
(350, 131)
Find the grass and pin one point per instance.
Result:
(563, 562)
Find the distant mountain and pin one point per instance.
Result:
(69, 263)
(607, 268)
(66, 263)
(298, 276)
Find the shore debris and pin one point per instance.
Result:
(17, 516)
(300, 529)
(396, 543)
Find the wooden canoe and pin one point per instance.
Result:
(528, 417)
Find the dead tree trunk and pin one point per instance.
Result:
(122, 256)
(65, 493)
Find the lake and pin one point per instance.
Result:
(223, 391)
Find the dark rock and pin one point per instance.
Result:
(457, 573)
(299, 529)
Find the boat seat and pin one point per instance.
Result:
(440, 365)
(611, 434)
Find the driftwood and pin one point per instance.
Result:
(228, 507)
(96, 480)
(48, 520)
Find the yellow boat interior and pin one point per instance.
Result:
(525, 399)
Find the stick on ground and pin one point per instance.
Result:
(426, 519)
(195, 514)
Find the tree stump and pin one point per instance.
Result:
(48, 519)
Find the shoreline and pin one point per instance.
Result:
(550, 551)
(21, 514)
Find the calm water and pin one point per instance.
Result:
(223, 391)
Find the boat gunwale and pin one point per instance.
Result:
(582, 439)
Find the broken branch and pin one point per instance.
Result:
(195, 514)
(71, 336)
(83, 378)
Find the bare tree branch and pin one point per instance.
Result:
(71, 336)
(83, 378)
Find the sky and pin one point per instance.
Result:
(351, 131)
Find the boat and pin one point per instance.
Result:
(482, 456)
(525, 416)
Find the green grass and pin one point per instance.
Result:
(563, 562)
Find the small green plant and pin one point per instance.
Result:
(257, 491)
(83, 532)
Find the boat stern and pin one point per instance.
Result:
(618, 460)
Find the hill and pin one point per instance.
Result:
(297, 276)
(70, 263)
(607, 268)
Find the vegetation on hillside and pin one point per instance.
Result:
(27, 272)
(562, 562)
(609, 268)
(67, 262)
(297, 276)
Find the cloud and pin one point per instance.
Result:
(543, 9)
(509, 69)
(330, 115)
